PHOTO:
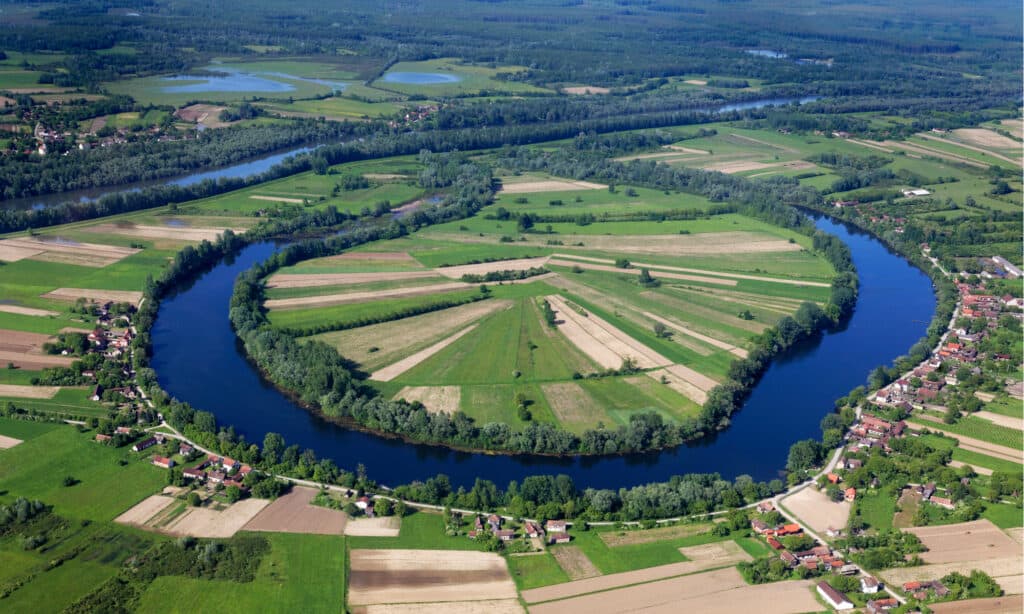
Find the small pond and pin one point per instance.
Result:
(420, 78)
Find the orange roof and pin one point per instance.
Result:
(833, 478)
(910, 586)
(792, 528)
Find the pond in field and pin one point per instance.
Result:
(768, 53)
(223, 79)
(420, 78)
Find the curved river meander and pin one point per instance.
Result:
(198, 360)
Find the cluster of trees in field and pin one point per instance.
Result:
(506, 275)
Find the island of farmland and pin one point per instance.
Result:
(575, 305)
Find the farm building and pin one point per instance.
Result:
(833, 597)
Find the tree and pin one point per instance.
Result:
(194, 500)
(273, 447)
(382, 507)
(803, 455)
(232, 493)
(661, 331)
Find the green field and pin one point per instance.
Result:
(420, 531)
(877, 508)
(542, 366)
(1004, 516)
(978, 428)
(635, 556)
(535, 570)
(301, 573)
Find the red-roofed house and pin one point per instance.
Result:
(850, 494)
(556, 526)
(774, 543)
(163, 461)
(559, 538)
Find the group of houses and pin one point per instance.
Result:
(921, 590)
(817, 558)
(872, 432)
(868, 585)
(552, 532)
(928, 494)
(216, 470)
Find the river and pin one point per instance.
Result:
(198, 360)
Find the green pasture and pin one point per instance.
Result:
(473, 79)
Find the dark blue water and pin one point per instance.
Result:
(249, 168)
(419, 78)
(196, 357)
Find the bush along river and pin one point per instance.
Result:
(199, 360)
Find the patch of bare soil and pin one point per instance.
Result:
(636, 271)
(574, 562)
(490, 606)
(585, 90)
(175, 233)
(680, 385)
(965, 541)
(19, 341)
(728, 347)
(601, 341)
(522, 264)
(426, 576)
(570, 403)
(818, 511)
(551, 185)
(55, 249)
(139, 514)
(436, 399)
(206, 522)
(386, 526)
(8, 442)
(1007, 604)
(327, 300)
(279, 199)
(293, 513)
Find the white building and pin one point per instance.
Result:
(833, 597)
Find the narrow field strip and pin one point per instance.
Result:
(969, 443)
(575, 562)
(552, 185)
(27, 311)
(93, 255)
(436, 399)
(732, 349)
(607, 268)
(602, 341)
(310, 280)
(520, 264)
(988, 152)
(34, 362)
(8, 442)
(392, 371)
(279, 199)
(664, 267)
(91, 294)
(935, 153)
(28, 392)
(358, 297)
(177, 233)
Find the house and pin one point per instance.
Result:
(876, 606)
(100, 437)
(532, 529)
(556, 526)
(849, 570)
(789, 529)
(363, 503)
(788, 558)
(833, 597)
(163, 461)
(123, 430)
(185, 449)
(505, 535)
(850, 494)
(854, 463)
(229, 463)
(494, 521)
(559, 538)
(145, 443)
(911, 193)
(193, 474)
(217, 477)
(911, 586)
(942, 502)
(774, 543)
(478, 523)
(833, 532)
(928, 490)
(758, 526)
(869, 585)
(833, 478)
(765, 507)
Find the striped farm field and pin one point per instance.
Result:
(573, 325)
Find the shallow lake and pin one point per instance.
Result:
(419, 78)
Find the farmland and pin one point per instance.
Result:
(422, 314)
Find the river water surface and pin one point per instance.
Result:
(197, 358)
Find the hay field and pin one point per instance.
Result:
(293, 513)
(704, 557)
(585, 90)
(28, 392)
(285, 280)
(602, 342)
(56, 249)
(387, 526)
(629, 538)
(819, 512)
(715, 592)
(204, 522)
(574, 562)
(95, 295)
(394, 370)
(142, 512)
(489, 606)
(327, 300)
(547, 185)
(173, 233)
(436, 399)
(426, 576)
(965, 541)
(27, 311)
(521, 264)
(711, 243)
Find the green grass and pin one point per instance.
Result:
(877, 508)
(535, 570)
(976, 459)
(1004, 516)
(977, 428)
(354, 312)
(67, 401)
(24, 429)
(335, 107)
(1006, 406)
(420, 531)
(301, 573)
(36, 469)
(635, 556)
